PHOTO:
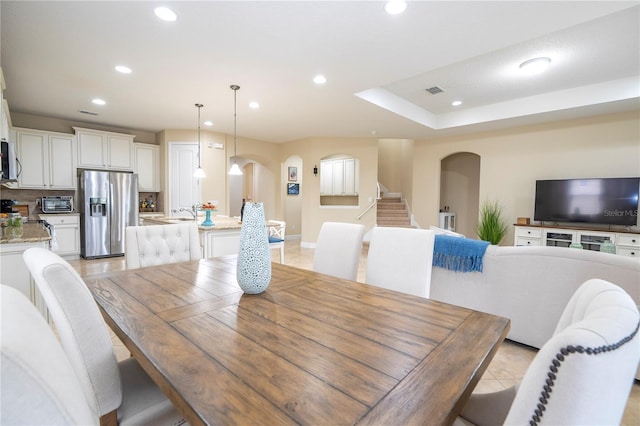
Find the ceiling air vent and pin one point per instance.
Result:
(87, 112)
(434, 90)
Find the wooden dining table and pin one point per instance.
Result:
(311, 349)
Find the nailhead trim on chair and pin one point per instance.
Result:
(557, 363)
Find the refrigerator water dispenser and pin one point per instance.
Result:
(97, 207)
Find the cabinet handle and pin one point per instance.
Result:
(633, 241)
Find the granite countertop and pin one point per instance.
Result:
(220, 222)
(74, 213)
(31, 233)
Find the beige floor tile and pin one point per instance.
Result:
(488, 386)
(511, 361)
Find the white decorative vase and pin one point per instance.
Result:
(254, 259)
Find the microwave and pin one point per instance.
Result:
(9, 161)
(62, 204)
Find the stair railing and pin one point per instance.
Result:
(375, 202)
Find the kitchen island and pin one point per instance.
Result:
(13, 271)
(221, 239)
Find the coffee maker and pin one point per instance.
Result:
(6, 206)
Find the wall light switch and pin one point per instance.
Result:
(209, 144)
(218, 145)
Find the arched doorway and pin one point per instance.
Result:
(257, 184)
(460, 190)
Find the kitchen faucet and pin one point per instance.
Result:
(193, 211)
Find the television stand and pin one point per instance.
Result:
(627, 242)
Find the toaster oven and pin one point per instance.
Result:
(61, 204)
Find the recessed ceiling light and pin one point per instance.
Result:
(165, 14)
(319, 79)
(456, 103)
(123, 69)
(99, 101)
(208, 123)
(394, 7)
(535, 65)
(254, 105)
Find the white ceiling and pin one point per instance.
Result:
(57, 56)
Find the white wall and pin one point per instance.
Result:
(292, 204)
(512, 160)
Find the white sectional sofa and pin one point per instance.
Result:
(532, 285)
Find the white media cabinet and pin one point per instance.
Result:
(627, 242)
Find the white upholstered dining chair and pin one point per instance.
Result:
(338, 249)
(37, 381)
(582, 375)
(276, 230)
(401, 259)
(161, 244)
(113, 389)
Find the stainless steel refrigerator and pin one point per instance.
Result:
(107, 202)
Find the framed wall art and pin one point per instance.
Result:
(293, 188)
(293, 174)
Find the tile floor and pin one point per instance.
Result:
(506, 369)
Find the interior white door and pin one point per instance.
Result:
(184, 189)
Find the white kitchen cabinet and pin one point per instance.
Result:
(339, 177)
(326, 178)
(351, 176)
(5, 119)
(14, 272)
(67, 231)
(48, 159)
(220, 242)
(147, 166)
(104, 150)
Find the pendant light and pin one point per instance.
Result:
(235, 169)
(199, 173)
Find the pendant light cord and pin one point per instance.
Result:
(235, 89)
(199, 106)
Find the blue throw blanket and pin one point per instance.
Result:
(458, 254)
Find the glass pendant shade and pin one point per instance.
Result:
(199, 173)
(235, 169)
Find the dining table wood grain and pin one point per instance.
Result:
(312, 349)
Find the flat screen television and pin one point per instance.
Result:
(607, 201)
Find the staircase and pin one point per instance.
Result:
(392, 211)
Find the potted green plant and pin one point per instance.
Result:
(491, 227)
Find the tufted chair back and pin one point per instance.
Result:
(161, 244)
(583, 374)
